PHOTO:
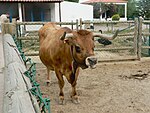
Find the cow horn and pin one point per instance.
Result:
(66, 35)
(106, 37)
(69, 35)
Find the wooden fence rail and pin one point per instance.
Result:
(33, 35)
(133, 36)
(17, 98)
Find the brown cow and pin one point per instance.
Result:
(65, 51)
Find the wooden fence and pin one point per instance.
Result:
(127, 46)
(144, 34)
(17, 98)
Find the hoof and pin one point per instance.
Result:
(75, 99)
(61, 100)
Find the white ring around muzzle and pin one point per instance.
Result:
(91, 61)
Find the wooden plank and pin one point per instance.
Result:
(146, 34)
(146, 21)
(81, 22)
(145, 47)
(96, 49)
(32, 54)
(127, 34)
(28, 38)
(13, 73)
(105, 22)
(77, 24)
(113, 48)
(135, 36)
(37, 37)
(1, 75)
(140, 38)
(17, 99)
(16, 91)
(118, 59)
(42, 23)
(11, 52)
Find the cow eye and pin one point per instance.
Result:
(93, 48)
(78, 50)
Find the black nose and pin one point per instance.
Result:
(92, 61)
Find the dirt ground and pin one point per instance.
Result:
(122, 87)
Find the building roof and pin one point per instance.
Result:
(20, 1)
(105, 1)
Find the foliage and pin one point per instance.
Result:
(112, 9)
(131, 8)
(100, 8)
(143, 8)
(72, 1)
(96, 9)
(120, 10)
(116, 17)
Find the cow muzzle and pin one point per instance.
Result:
(91, 62)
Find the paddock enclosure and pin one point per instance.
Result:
(118, 87)
(119, 84)
(132, 42)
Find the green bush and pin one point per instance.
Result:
(115, 17)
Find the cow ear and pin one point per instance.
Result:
(67, 37)
(63, 36)
(69, 41)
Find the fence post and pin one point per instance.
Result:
(77, 24)
(87, 25)
(149, 41)
(72, 24)
(135, 36)
(140, 37)
(5, 27)
(14, 24)
(80, 23)
(8, 28)
(112, 27)
(18, 34)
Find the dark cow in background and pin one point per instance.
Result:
(64, 51)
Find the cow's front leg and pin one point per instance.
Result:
(74, 96)
(61, 85)
(73, 81)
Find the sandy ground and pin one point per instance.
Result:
(122, 87)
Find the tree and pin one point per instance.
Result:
(96, 8)
(131, 10)
(109, 8)
(120, 10)
(143, 8)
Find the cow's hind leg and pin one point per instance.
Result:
(48, 77)
(61, 85)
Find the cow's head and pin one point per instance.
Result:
(82, 47)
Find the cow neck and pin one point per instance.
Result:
(74, 62)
